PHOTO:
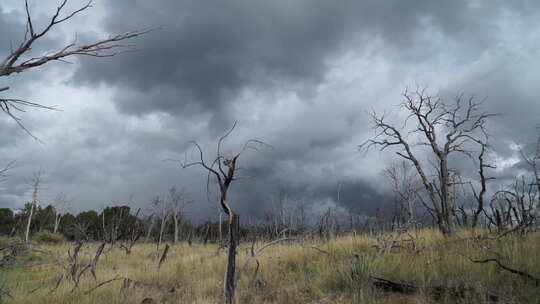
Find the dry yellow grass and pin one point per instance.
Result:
(289, 272)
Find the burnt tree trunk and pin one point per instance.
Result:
(231, 259)
(224, 169)
(176, 227)
(447, 215)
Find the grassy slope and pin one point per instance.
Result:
(289, 273)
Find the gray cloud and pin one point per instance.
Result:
(208, 52)
(298, 74)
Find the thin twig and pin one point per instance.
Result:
(101, 284)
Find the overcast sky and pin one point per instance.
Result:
(299, 75)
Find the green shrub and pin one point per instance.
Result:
(48, 237)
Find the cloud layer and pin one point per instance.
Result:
(298, 74)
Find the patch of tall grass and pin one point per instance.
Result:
(335, 271)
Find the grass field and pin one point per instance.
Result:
(342, 270)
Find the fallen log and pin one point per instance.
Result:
(437, 292)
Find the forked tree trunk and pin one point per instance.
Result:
(231, 259)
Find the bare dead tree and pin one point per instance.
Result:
(150, 225)
(163, 213)
(515, 207)
(134, 233)
(177, 204)
(406, 187)
(500, 212)
(442, 128)
(225, 170)
(480, 195)
(115, 217)
(279, 217)
(328, 224)
(75, 269)
(301, 214)
(36, 181)
(533, 161)
(61, 205)
(20, 60)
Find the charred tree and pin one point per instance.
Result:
(225, 170)
(442, 129)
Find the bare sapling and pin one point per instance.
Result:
(224, 168)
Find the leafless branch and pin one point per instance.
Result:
(15, 62)
(163, 256)
(96, 259)
(101, 284)
(444, 128)
(521, 273)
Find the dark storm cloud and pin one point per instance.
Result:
(207, 52)
(272, 65)
(258, 196)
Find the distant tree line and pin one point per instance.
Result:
(87, 224)
(122, 223)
